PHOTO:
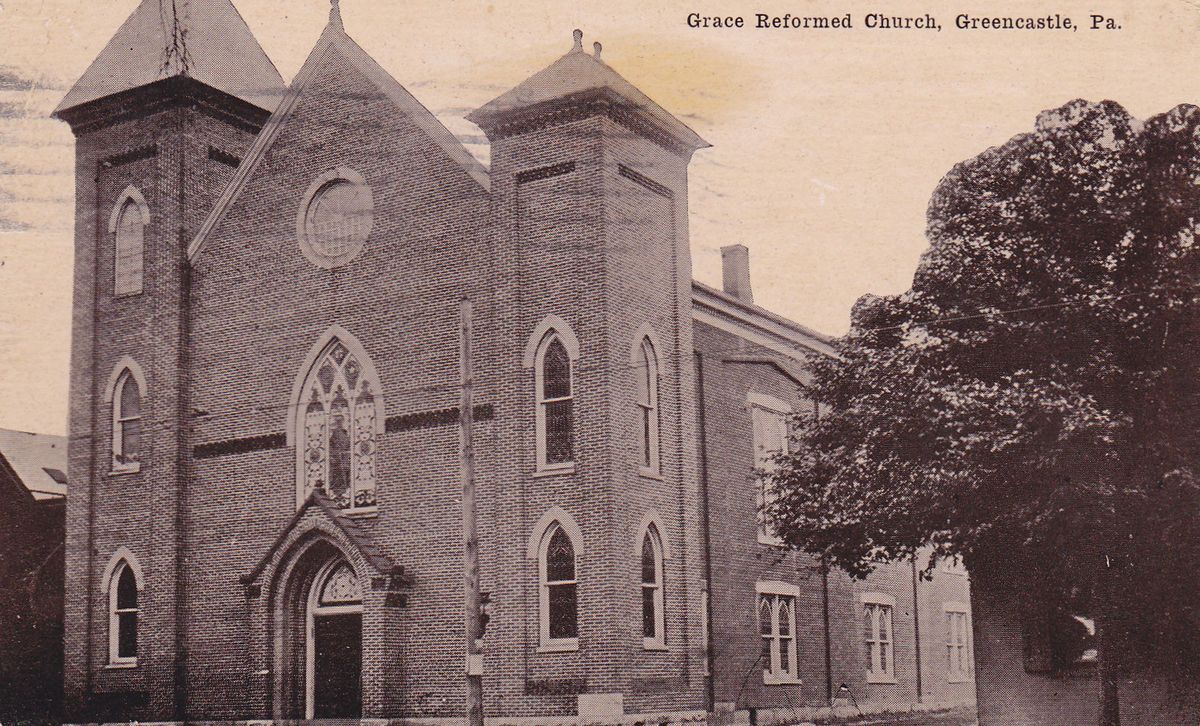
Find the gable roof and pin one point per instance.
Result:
(219, 51)
(355, 534)
(334, 39)
(38, 462)
(580, 73)
(755, 323)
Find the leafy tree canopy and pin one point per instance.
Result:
(1033, 396)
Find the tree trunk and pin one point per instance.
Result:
(1110, 703)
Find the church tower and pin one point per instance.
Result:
(589, 199)
(161, 119)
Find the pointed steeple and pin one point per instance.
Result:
(574, 78)
(206, 40)
(335, 15)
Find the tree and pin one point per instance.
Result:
(1031, 403)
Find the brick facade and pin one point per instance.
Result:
(581, 220)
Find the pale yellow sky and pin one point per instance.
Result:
(826, 144)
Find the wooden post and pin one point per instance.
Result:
(466, 419)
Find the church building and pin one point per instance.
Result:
(264, 519)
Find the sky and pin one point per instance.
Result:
(826, 144)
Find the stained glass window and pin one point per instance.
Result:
(340, 587)
(559, 586)
(129, 250)
(127, 424)
(339, 428)
(556, 419)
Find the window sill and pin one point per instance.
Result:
(770, 679)
(129, 293)
(555, 470)
(566, 645)
(654, 644)
(770, 541)
(123, 470)
(362, 512)
(881, 680)
(120, 666)
(648, 473)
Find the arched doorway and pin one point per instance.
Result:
(333, 643)
(317, 626)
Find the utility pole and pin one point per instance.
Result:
(466, 421)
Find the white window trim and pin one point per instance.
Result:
(120, 560)
(313, 609)
(129, 195)
(659, 641)
(650, 409)
(773, 405)
(125, 370)
(296, 406)
(552, 328)
(771, 675)
(341, 173)
(953, 566)
(952, 676)
(539, 540)
(879, 598)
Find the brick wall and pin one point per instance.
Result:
(733, 367)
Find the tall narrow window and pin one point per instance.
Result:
(559, 603)
(653, 610)
(555, 405)
(127, 424)
(130, 248)
(877, 635)
(770, 431)
(777, 628)
(958, 643)
(338, 429)
(123, 616)
(647, 404)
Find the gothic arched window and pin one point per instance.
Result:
(559, 602)
(653, 611)
(123, 615)
(555, 404)
(646, 371)
(127, 224)
(126, 424)
(338, 424)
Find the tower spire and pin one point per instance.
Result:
(335, 15)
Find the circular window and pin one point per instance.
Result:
(335, 218)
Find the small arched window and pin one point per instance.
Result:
(123, 616)
(338, 424)
(653, 611)
(559, 602)
(555, 404)
(647, 404)
(126, 424)
(128, 228)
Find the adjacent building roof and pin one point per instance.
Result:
(578, 73)
(217, 49)
(39, 462)
(757, 324)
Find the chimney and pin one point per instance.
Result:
(735, 269)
